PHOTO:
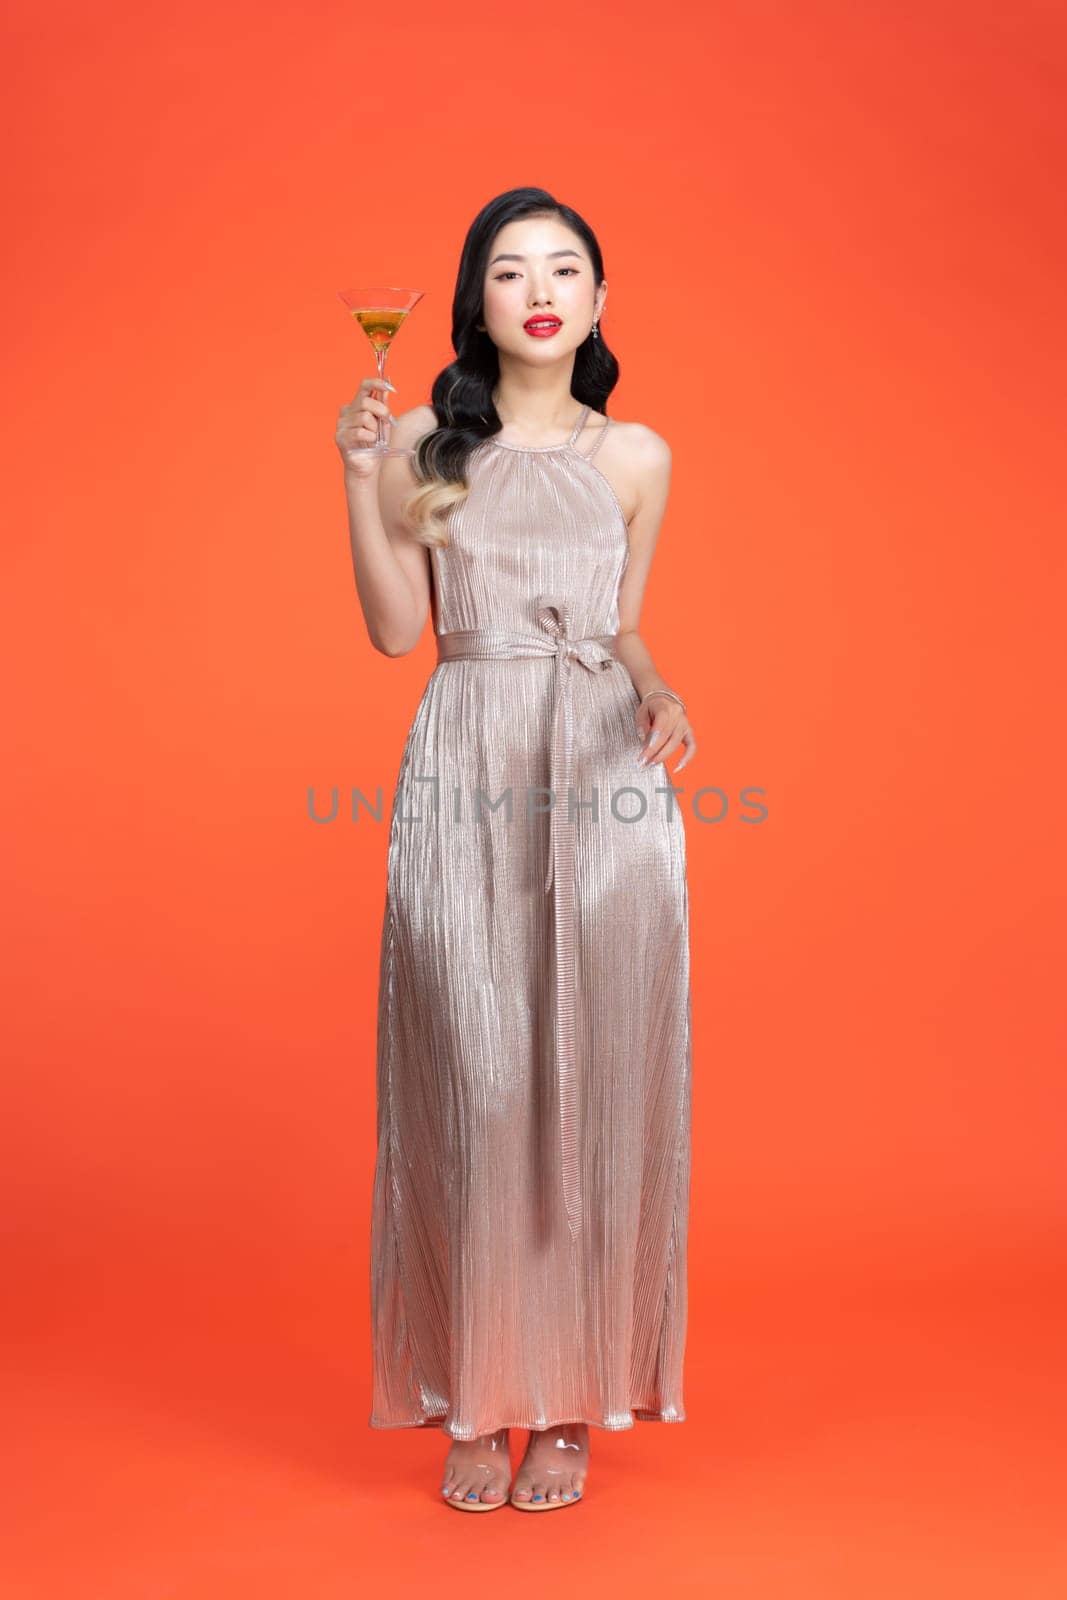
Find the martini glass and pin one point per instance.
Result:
(379, 312)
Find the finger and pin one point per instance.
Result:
(377, 383)
(359, 440)
(672, 744)
(656, 736)
(644, 720)
(368, 429)
(371, 410)
(690, 752)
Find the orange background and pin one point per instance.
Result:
(834, 244)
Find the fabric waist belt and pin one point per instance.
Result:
(596, 654)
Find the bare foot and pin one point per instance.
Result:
(554, 1466)
(478, 1469)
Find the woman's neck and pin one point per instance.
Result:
(536, 410)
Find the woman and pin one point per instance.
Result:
(531, 1188)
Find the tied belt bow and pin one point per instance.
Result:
(596, 654)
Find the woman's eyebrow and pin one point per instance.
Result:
(549, 257)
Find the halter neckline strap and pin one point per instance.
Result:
(568, 445)
(578, 426)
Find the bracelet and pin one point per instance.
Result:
(668, 692)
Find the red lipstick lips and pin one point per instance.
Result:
(542, 327)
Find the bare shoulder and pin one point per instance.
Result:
(637, 461)
(644, 451)
(410, 426)
(397, 474)
(643, 444)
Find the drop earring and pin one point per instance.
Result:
(596, 334)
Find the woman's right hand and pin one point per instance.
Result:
(357, 427)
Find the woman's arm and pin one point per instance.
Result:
(392, 569)
(661, 722)
(649, 456)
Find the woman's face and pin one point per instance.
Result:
(538, 267)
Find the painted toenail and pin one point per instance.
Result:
(539, 1497)
(472, 1495)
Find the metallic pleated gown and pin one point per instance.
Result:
(531, 1187)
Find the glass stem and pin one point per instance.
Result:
(380, 355)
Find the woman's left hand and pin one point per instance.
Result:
(662, 726)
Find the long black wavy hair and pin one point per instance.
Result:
(462, 393)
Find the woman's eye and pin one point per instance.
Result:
(509, 274)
